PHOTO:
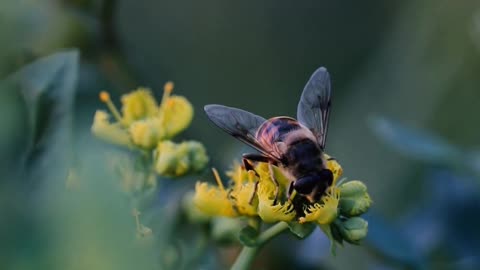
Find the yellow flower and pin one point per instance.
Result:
(146, 133)
(270, 212)
(113, 133)
(176, 114)
(179, 159)
(335, 167)
(238, 175)
(213, 201)
(244, 195)
(138, 104)
(324, 212)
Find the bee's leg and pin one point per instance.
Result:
(275, 182)
(247, 160)
(291, 193)
(250, 201)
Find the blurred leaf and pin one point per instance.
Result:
(248, 236)
(414, 143)
(301, 230)
(425, 147)
(391, 244)
(47, 87)
(327, 230)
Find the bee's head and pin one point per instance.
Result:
(314, 186)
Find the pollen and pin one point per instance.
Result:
(324, 212)
(168, 87)
(104, 96)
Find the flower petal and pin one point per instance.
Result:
(113, 133)
(324, 212)
(213, 201)
(270, 212)
(138, 104)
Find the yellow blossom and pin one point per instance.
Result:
(213, 201)
(270, 212)
(325, 211)
(138, 104)
(176, 113)
(146, 133)
(335, 167)
(113, 133)
(244, 195)
(237, 174)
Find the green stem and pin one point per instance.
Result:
(246, 256)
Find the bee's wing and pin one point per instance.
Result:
(314, 107)
(240, 124)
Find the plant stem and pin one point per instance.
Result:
(246, 256)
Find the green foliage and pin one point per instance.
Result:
(301, 230)
(248, 236)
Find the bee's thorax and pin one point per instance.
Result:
(304, 157)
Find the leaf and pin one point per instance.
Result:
(327, 230)
(47, 87)
(301, 230)
(414, 143)
(248, 236)
(391, 243)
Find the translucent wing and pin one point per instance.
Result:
(314, 107)
(240, 124)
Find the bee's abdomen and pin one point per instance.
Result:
(276, 128)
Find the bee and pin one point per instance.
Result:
(296, 146)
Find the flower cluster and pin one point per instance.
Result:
(253, 193)
(148, 126)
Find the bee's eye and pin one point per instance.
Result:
(318, 182)
(305, 185)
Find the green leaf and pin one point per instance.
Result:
(328, 232)
(225, 230)
(301, 230)
(47, 87)
(391, 243)
(248, 236)
(412, 143)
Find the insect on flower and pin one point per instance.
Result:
(295, 146)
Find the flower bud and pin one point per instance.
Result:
(179, 159)
(353, 229)
(138, 104)
(226, 230)
(168, 159)
(354, 199)
(197, 154)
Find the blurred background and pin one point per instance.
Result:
(406, 101)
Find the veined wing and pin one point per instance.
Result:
(240, 124)
(314, 107)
